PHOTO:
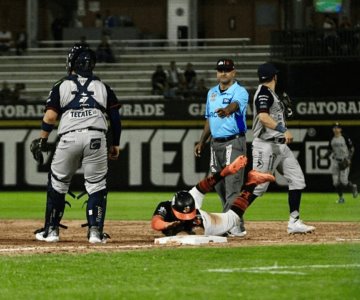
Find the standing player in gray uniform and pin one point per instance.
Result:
(341, 149)
(226, 123)
(80, 100)
(270, 150)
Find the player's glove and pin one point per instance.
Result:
(285, 99)
(38, 146)
(345, 163)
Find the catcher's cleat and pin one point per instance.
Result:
(95, 236)
(256, 177)
(354, 190)
(239, 163)
(297, 226)
(51, 237)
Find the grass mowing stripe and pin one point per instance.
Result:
(181, 273)
(140, 206)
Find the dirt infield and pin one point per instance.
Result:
(16, 236)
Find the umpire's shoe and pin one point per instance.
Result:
(238, 231)
(51, 237)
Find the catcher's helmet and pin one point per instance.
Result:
(72, 55)
(85, 63)
(183, 206)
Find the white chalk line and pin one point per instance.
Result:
(68, 248)
(282, 269)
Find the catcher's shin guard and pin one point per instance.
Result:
(96, 208)
(55, 206)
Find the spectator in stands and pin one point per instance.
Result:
(175, 80)
(83, 42)
(16, 94)
(330, 35)
(5, 40)
(190, 78)
(21, 43)
(5, 93)
(201, 90)
(159, 81)
(104, 52)
(345, 23)
(57, 27)
(110, 21)
(98, 21)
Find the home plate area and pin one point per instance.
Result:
(17, 237)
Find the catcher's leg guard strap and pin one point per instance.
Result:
(96, 208)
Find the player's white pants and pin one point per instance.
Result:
(268, 156)
(75, 150)
(214, 223)
(219, 223)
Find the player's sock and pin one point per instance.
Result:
(207, 184)
(241, 202)
(294, 199)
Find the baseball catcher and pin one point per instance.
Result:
(183, 213)
(81, 101)
(341, 150)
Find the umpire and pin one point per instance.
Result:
(226, 124)
(81, 101)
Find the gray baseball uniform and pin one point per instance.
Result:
(82, 103)
(341, 148)
(269, 149)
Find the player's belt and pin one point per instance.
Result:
(229, 138)
(277, 140)
(83, 130)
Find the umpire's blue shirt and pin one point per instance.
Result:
(235, 123)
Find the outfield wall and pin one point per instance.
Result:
(157, 145)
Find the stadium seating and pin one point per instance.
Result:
(130, 75)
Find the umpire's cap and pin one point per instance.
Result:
(225, 64)
(183, 206)
(266, 72)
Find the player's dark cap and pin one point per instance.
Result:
(266, 71)
(225, 64)
(337, 125)
(183, 206)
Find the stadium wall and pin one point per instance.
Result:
(158, 140)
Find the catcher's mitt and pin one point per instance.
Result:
(345, 163)
(286, 101)
(38, 146)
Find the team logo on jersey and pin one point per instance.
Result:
(213, 97)
(226, 101)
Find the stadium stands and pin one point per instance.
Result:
(130, 75)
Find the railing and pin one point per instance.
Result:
(157, 44)
(315, 44)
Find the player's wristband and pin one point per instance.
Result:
(279, 127)
(46, 126)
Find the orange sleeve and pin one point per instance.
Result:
(158, 223)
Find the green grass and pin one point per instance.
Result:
(140, 206)
(262, 272)
(312, 272)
